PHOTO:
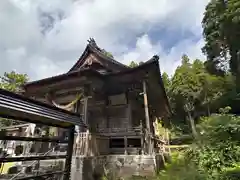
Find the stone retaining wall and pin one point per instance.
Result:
(92, 168)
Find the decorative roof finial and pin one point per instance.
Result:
(156, 57)
(92, 42)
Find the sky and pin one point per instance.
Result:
(43, 38)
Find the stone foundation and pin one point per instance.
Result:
(93, 168)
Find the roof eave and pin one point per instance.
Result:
(84, 54)
(60, 77)
(92, 49)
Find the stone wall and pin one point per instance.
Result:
(92, 168)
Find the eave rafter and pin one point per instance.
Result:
(17, 107)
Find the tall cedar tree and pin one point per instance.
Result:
(221, 30)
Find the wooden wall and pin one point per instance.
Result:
(91, 145)
(97, 117)
(119, 116)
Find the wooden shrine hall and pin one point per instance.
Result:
(116, 102)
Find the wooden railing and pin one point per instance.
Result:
(119, 130)
(16, 107)
(88, 144)
(94, 144)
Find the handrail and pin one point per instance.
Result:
(41, 139)
(42, 175)
(17, 107)
(30, 158)
(127, 129)
(32, 163)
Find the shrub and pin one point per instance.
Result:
(231, 174)
(215, 156)
(219, 147)
(181, 168)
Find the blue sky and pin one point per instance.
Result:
(45, 38)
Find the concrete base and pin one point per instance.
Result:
(93, 168)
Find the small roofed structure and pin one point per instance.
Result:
(115, 101)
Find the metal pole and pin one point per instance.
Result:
(68, 162)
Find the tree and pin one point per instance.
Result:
(193, 92)
(108, 54)
(12, 82)
(213, 89)
(220, 150)
(186, 89)
(133, 64)
(166, 80)
(221, 24)
(212, 86)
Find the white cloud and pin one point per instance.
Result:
(143, 51)
(169, 61)
(67, 25)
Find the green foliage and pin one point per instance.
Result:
(133, 64)
(221, 24)
(225, 110)
(181, 169)
(215, 157)
(220, 146)
(106, 53)
(109, 54)
(12, 82)
(167, 83)
(194, 92)
(190, 90)
(231, 174)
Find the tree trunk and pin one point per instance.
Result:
(238, 84)
(192, 123)
(208, 110)
(238, 75)
(235, 66)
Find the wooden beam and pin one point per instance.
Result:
(146, 106)
(85, 110)
(130, 124)
(18, 107)
(56, 86)
(68, 161)
(125, 145)
(148, 127)
(31, 158)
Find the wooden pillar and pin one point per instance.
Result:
(130, 124)
(147, 119)
(125, 145)
(85, 110)
(106, 111)
(168, 143)
(146, 106)
(77, 128)
(87, 143)
(68, 162)
(142, 138)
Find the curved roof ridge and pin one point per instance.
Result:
(102, 53)
(92, 46)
